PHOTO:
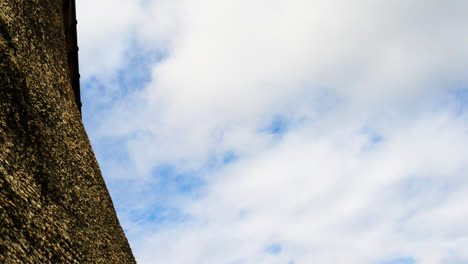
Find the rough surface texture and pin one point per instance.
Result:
(54, 205)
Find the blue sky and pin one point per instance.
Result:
(281, 131)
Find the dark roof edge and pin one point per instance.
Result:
(71, 39)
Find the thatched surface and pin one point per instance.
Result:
(54, 205)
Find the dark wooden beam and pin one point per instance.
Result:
(71, 38)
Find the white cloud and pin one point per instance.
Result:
(231, 64)
(325, 202)
(105, 28)
(371, 163)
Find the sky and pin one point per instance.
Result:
(299, 131)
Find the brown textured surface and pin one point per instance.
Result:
(54, 205)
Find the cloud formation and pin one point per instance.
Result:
(282, 131)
